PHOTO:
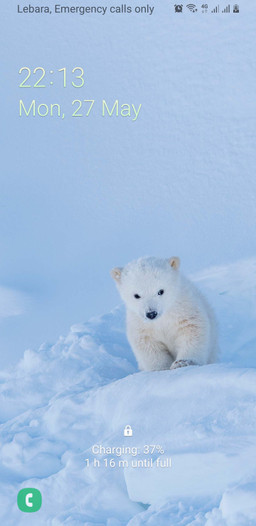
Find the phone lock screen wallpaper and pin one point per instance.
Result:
(128, 263)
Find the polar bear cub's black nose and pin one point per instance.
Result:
(151, 315)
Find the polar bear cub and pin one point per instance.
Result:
(169, 322)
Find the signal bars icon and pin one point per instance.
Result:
(216, 9)
(227, 9)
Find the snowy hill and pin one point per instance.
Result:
(61, 400)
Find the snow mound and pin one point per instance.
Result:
(61, 400)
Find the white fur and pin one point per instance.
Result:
(184, 330)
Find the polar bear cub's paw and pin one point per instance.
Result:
(182, 363)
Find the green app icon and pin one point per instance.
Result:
(29, 500)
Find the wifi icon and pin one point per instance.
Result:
(192, 8)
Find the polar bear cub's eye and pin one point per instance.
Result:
(160, 292)
(137, 296)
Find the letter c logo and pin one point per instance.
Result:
(29, 500)
(28, 497)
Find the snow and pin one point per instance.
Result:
(79, 197)
(61, 400)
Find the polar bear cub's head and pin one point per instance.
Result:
(149, 286)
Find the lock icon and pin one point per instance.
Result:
(127, 431)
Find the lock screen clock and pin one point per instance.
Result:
(39, 77)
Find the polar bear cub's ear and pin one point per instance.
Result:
(116, 274)
(175, 262)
